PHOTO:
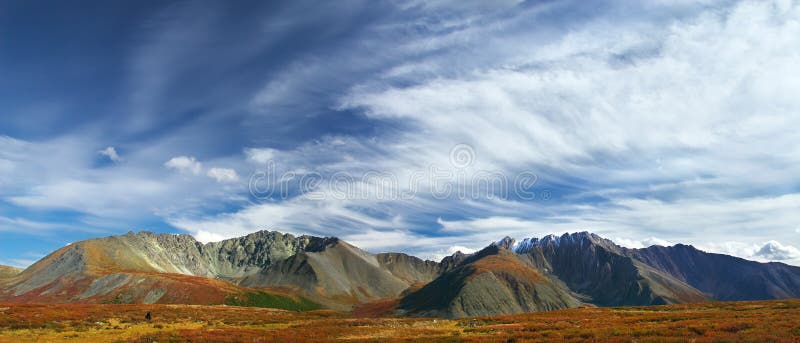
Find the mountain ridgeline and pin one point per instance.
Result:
(554, 272)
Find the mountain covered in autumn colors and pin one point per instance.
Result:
(281, 270)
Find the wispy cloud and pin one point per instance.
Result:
(111, 153)
(657, 124)
(652, 122)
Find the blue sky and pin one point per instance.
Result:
(648, 123)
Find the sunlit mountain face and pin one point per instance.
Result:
(418, 127)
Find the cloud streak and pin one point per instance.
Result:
(643, 128)
(648, 123)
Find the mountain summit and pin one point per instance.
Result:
(508, 276)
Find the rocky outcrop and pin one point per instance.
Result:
(243, 256)
(452, 261)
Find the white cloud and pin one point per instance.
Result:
(638, 244)
(206, 237)
(439, 255)
(343, 218)
(671, 123)
(57, 174)
(25, 225)
(21, 263)
(185, 164)
(770, 251)
(260, 155)
(297, 215)
(484, 224)
(223, 175)
(656, 241)
(23, 260)
(102, 198)
(776, 251)
(668, 122)
(727, 91)
(597, 107)
(111, 153)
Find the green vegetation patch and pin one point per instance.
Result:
(261, 299)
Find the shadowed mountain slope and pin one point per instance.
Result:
(602, 274)
(722, 277)
(492, 281)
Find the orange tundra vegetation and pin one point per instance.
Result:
(757, 321)
(505, 263)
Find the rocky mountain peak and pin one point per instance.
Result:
(506, 242)
(450, 262)
(267, 234)
(581, 239)
(150, 234)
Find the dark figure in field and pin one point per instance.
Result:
(147, 316)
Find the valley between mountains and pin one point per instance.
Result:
(272, 269)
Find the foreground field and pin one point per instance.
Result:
(763, 321)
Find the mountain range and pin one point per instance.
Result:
(508, 276)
